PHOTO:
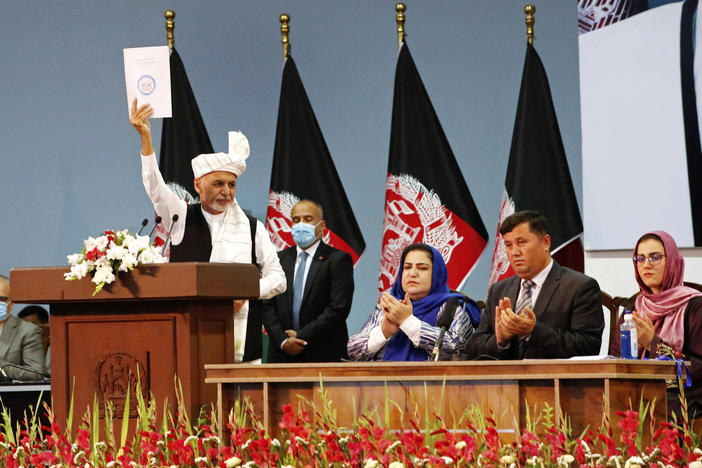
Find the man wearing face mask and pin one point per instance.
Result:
(20, 341)
(308, 322)
(216, 229)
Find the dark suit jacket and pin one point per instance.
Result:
(326, 304)
(20, 343)
(569, 318)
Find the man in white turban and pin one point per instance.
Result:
(216, 229)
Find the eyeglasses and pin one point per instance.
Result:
(4, 299)
(653, 259)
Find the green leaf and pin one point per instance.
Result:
(125, 421)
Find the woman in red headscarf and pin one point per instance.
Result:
(667, 314)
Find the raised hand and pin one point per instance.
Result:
(139, 118)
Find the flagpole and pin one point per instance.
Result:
(529, 10)
(400, 18)
(170, 25)
(285, 31)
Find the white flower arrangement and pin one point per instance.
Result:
(110, 254)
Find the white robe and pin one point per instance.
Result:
(231, 241)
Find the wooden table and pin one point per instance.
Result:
(583, 390)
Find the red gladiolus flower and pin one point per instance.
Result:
(158, 242)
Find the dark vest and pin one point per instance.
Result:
(196, 246)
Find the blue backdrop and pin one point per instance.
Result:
(70, 159)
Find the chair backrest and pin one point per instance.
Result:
(693, 285)
(609, 304)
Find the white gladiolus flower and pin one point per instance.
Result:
(461, 444)
(393, 446)
(565, 460)
(136, 244)
(80, 270)
(634, 462)
(231, 462)
(695, 464)
(100, 243)
(117, 252)
(370, 463)
(103, 275)
(447, 460)
(128, 263)
(148, 256)
(75, 258)
(507, 459)
(396, 464)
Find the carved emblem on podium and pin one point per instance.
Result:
(119, 373)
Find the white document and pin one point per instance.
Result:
(147, 73)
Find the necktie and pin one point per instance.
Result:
(525, 297)
(298, 289)
(524, 301)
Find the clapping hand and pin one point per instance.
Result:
(508, 324)
(395, 310)
(644, 329)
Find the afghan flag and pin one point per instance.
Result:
(183, 137)
(426, 198)
(303, 169)
(538, 177)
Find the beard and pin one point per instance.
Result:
(219, 207)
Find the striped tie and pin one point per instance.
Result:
(523, 302)
(525, 296)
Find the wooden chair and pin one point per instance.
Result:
(613, 308)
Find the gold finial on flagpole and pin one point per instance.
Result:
(169, 15)
(529, 10)
(285, 31)
(400, 18)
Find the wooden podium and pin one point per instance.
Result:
(156, 322)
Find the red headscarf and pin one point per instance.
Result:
(667, 308)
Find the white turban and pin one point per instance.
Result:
(234, 161)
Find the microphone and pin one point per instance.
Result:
(144, 222)
(157, 221)
(26, 369)
(444, 322)
(168, 238)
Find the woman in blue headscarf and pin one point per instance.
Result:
(404, 324)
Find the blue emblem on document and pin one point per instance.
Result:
(146, 84)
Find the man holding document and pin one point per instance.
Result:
(546, 310)
(216, 229)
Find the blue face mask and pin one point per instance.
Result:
(304, 235)
(3, 311)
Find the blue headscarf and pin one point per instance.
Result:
(426, 309)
